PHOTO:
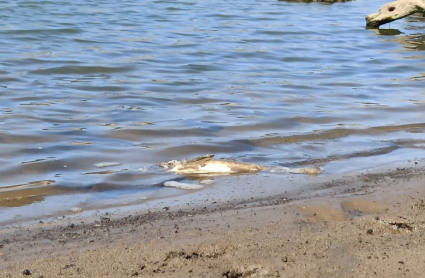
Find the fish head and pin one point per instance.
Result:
(169, 164)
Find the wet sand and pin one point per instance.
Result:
(364, 224)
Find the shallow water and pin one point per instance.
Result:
(139, 82)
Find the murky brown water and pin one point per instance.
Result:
(136, 83)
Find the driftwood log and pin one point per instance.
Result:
(324, 1)
(395, 10)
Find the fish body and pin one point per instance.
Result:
(207, 165)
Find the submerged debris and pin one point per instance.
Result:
(306, 170)
(207, 182)
(181, 185)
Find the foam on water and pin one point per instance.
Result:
(181, 185)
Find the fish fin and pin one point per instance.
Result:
(201, 159)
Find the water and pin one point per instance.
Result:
(140, 82)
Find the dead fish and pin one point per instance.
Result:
(206, 165)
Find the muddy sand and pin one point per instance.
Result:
(364, 224)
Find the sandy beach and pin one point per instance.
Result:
(364, 224)
(211, 139)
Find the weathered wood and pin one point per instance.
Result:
(325, 1)
(395, 10)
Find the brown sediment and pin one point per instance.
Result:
(314, 236)
(323, 213)
(366, 206)
(27, 194)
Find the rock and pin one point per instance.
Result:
(207, 182)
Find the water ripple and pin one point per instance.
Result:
(136, 82)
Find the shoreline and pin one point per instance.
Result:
(283, 235)
(225, 188)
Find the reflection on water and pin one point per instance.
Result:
(25, 196)
(93, 92)
(386, 32)
(414, 42)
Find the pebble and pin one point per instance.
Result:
(207, 182)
